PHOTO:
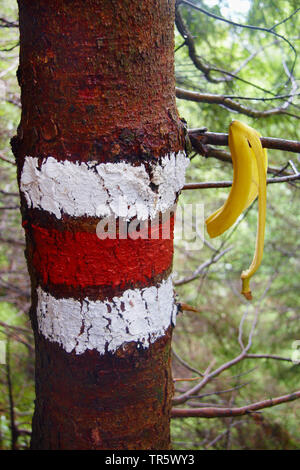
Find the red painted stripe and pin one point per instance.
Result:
(81, 259)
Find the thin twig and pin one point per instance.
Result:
(268, 356)
(223, 434)
(214, 259)
(7, 160)
(185, 364)
(6, 193)
(227, 184)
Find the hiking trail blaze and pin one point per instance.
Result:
(99, 137)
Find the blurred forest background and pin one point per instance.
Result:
(256, 69)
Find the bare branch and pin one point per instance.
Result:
(212, 412)
(197, 61)
(187, 395)
(6, 193)
(4, 23)
(199, 137)
(6, 160)
(255, 98)
(209, 376)
(229, 104)
(221, 392)
(246, 26)
(207, 69)
(227, 184)
(185, 364)
(8, 208)
(10, 48)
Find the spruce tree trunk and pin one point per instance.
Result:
(99, 137)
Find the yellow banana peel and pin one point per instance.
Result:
(250, 163)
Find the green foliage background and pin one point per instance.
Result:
(211, 334)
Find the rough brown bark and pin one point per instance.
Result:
(94, 402)
(97, 84)
(97, 79)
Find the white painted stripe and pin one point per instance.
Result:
(99, 190)
(140, 315)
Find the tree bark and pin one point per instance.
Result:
(99, 136)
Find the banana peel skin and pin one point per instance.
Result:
(250, 162)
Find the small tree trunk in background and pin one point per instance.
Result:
(99, 136)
